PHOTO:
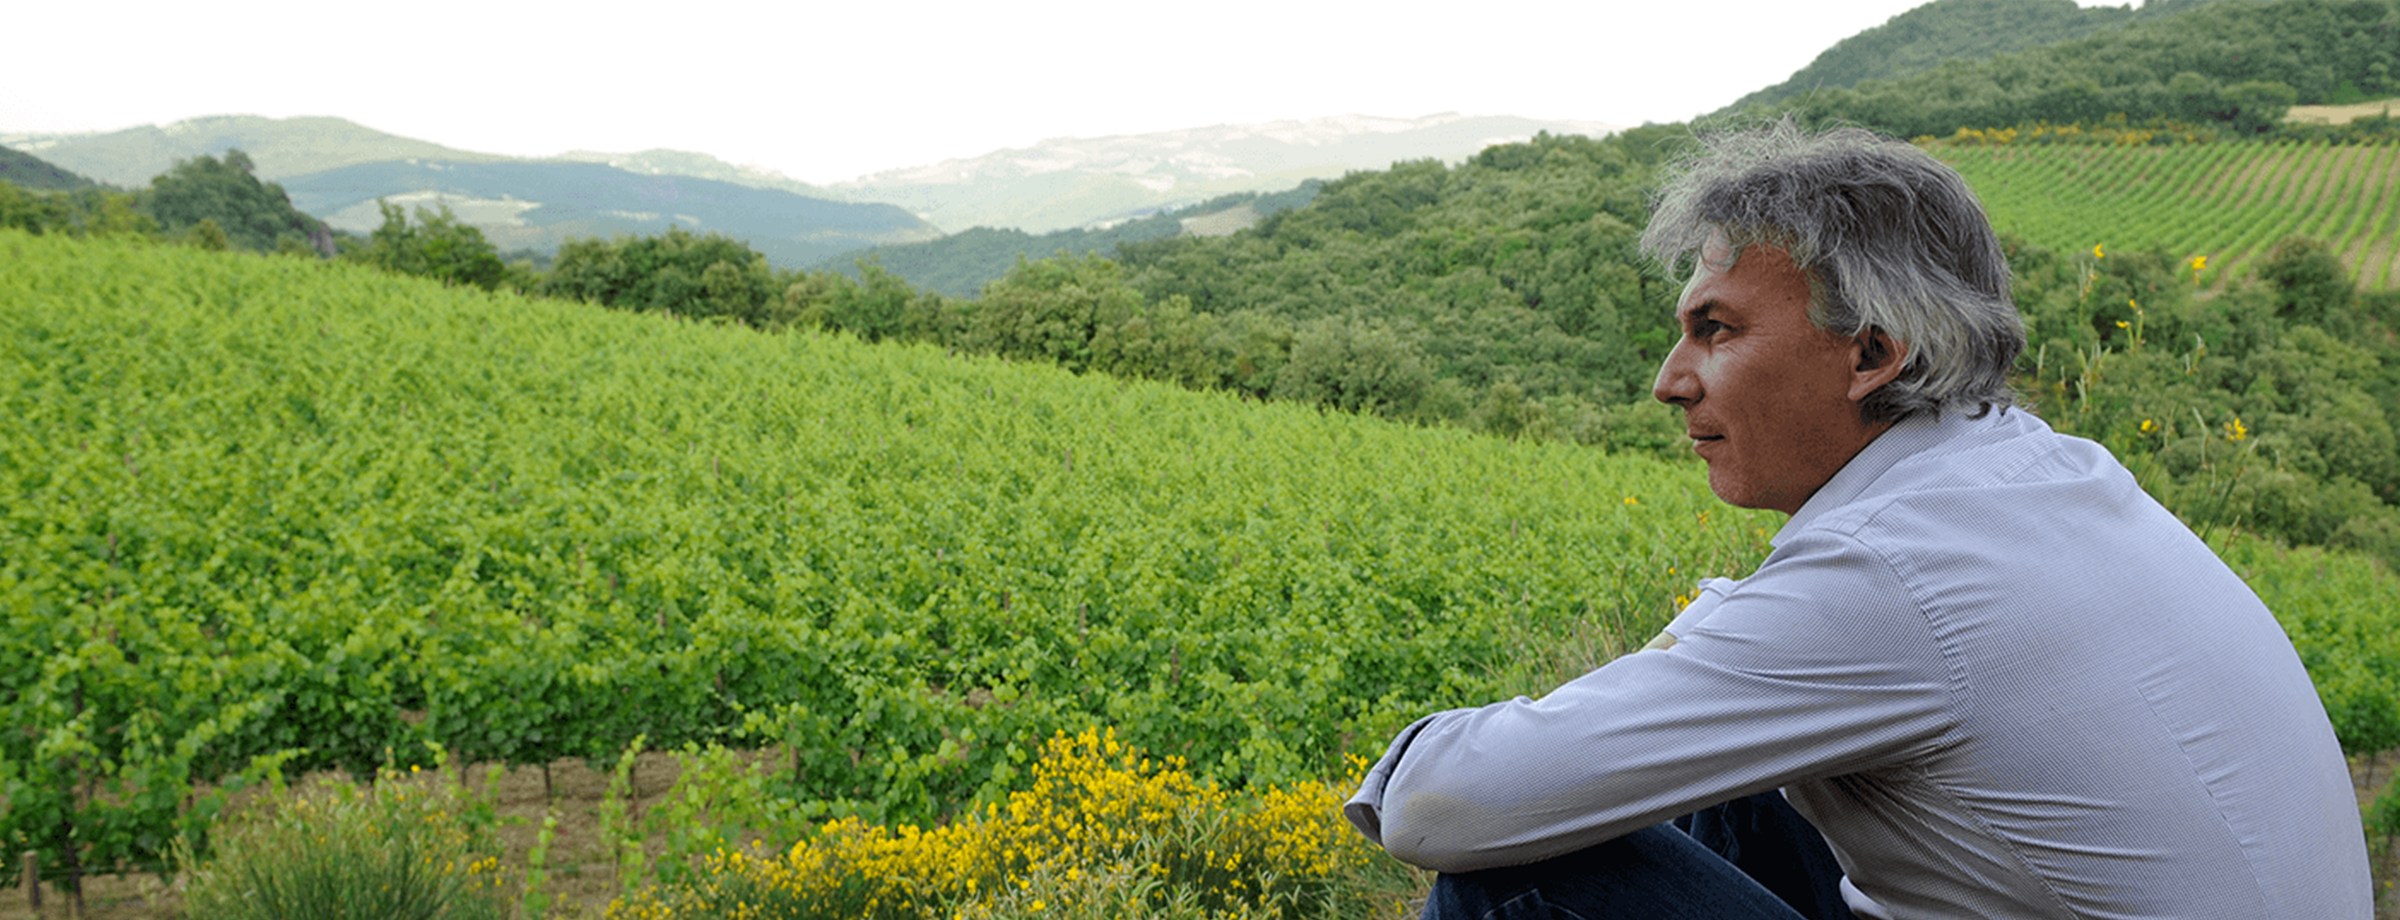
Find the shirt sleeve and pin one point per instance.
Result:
(1817, 665)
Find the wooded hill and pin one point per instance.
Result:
(28, 171)
(2235, 64)
(1953, 31)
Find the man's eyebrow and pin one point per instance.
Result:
(1697, 314)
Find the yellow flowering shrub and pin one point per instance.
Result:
(1099, 824)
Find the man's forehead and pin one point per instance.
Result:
(1718, 256)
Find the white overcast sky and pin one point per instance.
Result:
(825, 91)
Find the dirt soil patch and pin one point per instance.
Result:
(2340, 114)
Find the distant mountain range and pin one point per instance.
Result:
(538, 205)
(279, 147)
(337, 170)
(1095, 182)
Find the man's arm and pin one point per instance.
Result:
(1818, 665)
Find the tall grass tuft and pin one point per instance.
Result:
(407, 847)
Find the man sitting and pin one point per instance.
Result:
(1982, 673)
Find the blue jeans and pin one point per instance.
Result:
(1751, 859)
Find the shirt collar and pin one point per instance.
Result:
(1906, 438)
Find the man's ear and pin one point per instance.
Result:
(1880, 360)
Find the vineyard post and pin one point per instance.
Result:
(67, 856)
(33, 880)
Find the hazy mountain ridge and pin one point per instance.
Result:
(538, 204)
(337, 170)
(279, 147)
(30, 171)
(1075, 182)
(659, 161)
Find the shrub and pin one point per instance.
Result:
(406, 847)
(1099, 827)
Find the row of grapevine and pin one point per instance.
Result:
(267, 511)
(269, 514)
(2225, 202)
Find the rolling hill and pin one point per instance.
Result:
(278, 146)
(1946, 30)
(537, 205)
(29, 171)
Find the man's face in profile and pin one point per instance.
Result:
(1767, 396)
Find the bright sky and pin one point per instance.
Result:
(828, 91)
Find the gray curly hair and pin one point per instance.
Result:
(1888, 236)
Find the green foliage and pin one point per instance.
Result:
(1953, 30)
(879, 306)
(2229, 407)
(1050, 310)
(2337, 609)
(1515, 266)
(712, 276)
(250, 214)
(83, 211)
(437, 247)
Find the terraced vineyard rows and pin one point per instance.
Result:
(2224, 202)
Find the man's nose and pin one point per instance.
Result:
(1675, 384)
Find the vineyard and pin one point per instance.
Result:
(268, 514)
(2226, 203)
(264, 511)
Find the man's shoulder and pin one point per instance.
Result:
(1962, 469)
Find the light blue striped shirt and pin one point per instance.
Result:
(2001, 679)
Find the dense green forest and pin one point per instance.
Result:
(1954, 30)
(2234, 64)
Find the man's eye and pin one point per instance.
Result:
(1707, 328)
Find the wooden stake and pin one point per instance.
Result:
(33, 880)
